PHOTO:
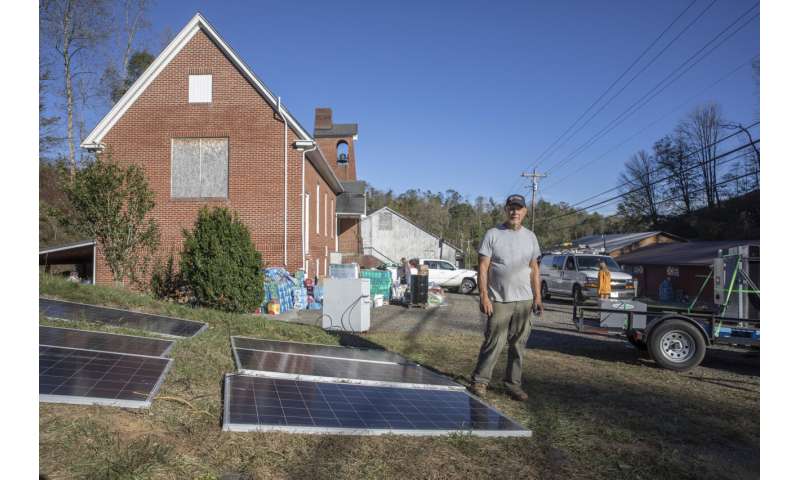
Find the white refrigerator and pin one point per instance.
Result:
(346, 305)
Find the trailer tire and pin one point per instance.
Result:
(676, 345)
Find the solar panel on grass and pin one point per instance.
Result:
(84, 377)
(168, 326)
(270, 404)
(327, 369)
(330, 351)
(103, 342)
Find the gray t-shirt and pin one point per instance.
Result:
(511, 252)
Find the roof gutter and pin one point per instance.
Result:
(317, 159)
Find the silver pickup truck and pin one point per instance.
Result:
(575, 275)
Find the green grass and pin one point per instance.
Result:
(590, 417)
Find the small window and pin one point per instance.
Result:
(446, 266)
(199, 168)
(199, 88)
(570, 265)
(546, 261)
(342, 153)
(385, 221)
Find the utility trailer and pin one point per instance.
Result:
(676, 338)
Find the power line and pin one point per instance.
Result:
(549, 148)
(561, 179)
(614, 83)
(671, 199)
(658, 88)
(642, 70)
(649, 184)
(685, 156)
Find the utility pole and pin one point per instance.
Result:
(534, 186)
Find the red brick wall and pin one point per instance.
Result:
(328, 148)
(318, 241)
(255, 136)
(349, 236)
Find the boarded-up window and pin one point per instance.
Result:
(385, 221)
(199, 88)
(199, 167)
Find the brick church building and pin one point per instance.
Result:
(207, 131)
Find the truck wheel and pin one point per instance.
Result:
(545, 291)
(467, 286)
(577, 296)
(676, 345)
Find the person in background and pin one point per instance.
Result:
(603, 281)
(508, 281)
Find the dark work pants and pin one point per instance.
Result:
(510, 321)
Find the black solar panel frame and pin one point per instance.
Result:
(388, 356)
(372, 369)
(104, 401)
(227, 425)
(89, 333)
(119, 321)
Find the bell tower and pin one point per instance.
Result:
(337, 142)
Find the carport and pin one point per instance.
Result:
(81, 255)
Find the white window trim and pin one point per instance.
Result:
(333, 219)
(326, 213)
(317, 215)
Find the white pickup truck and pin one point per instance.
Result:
(446, 275)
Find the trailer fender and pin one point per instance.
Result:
(652, 325)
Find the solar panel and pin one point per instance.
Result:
(99, 378)
(311, 368)
(103, 342)
(330, 351)
(270, 404)
(169, 326)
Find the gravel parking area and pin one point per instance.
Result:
(553, 331)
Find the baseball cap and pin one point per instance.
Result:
(515, 199)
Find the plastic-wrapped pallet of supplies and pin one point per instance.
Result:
(380, 282)
(280, 286)
(343, 270)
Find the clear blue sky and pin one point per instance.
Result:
(465, 95)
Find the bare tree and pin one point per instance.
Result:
(702, 129)
(73, 28)
(134, 20)
(637, 182)
(672, 158)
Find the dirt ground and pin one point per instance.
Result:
(553, 331)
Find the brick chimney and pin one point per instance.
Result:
(323, 119)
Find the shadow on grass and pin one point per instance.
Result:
(708, 433)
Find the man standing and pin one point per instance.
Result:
(508, 280)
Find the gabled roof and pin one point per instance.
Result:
(196, 24)
(700, 253)
(616, 241)
(412, 223)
